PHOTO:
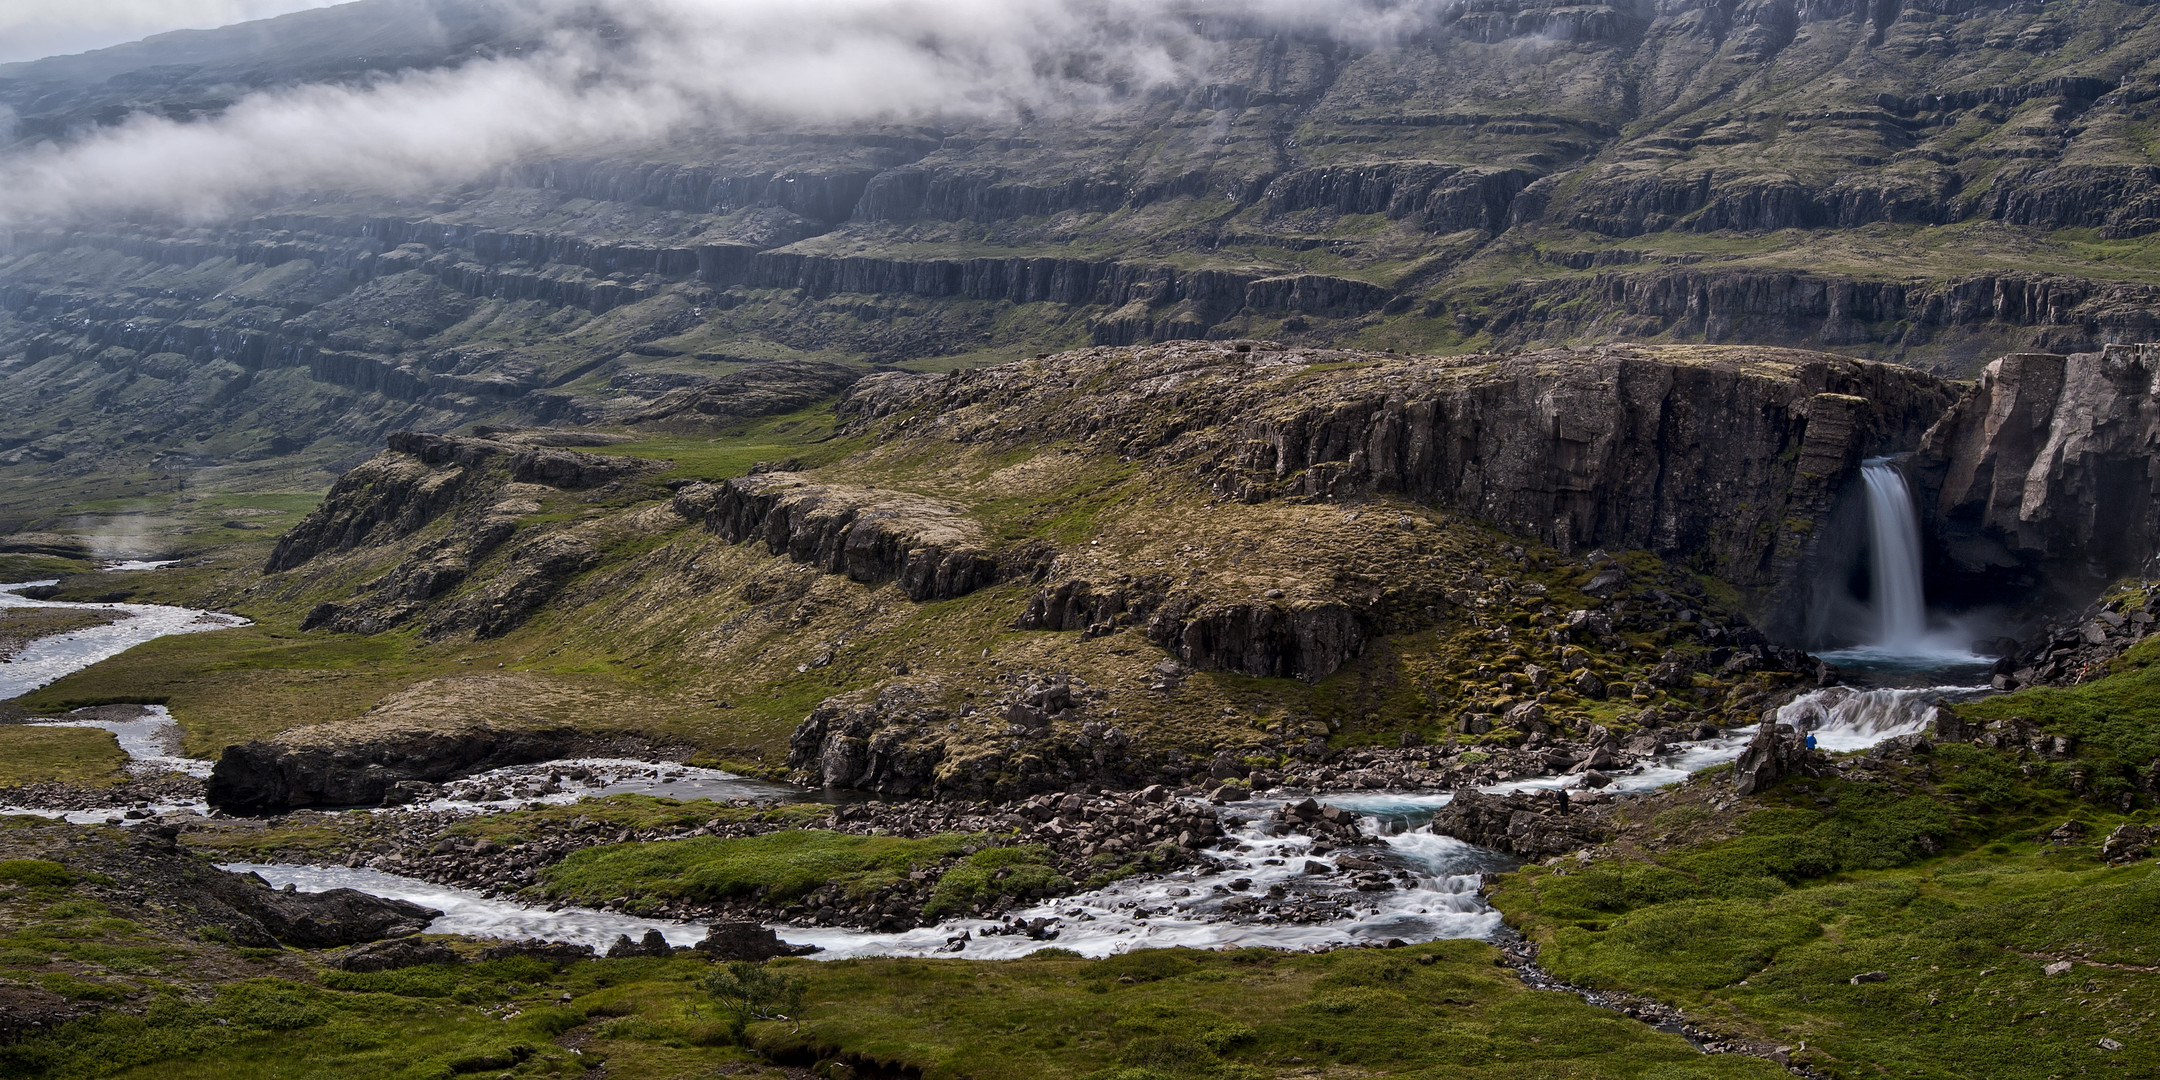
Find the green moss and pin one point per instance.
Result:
(86, 756)
(991, 874)
(778, 866)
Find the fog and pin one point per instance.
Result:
(672, 65)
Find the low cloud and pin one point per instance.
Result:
(669, 66)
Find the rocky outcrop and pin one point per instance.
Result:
(758, 390)
(2081, 647)
(1307, 641)
(1724, 457)
(1777, 751)
(395, 953)
(736, 939)
(273, 776)
(930, 547)
(1529, 825)
(420, 477)
(2046, 476)
(328, 919)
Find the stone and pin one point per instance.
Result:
(394, 953)
(743, 940)
(2128, 843)
(652, 944)
(557, 953)
(1869, 977)
(2059, 967)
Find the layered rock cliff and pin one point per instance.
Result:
(1896, 184)
(1726, 458)
(2047, 474)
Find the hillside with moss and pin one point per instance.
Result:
(1931, 186)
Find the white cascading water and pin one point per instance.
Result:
(1437, 876)
(1894, 526)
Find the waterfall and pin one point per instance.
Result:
(1900, 602)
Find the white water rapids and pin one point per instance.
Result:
(1436, 877)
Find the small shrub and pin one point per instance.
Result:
(747, 992)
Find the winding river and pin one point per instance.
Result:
(1434, 879)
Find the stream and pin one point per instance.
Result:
(48, 658)
(1435, 878)
(1431, 891)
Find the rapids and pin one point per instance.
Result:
(1435, 878)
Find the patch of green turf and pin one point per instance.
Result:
(783, 865)
(87, 756)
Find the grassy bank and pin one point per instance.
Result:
(1437, 1010)
(1943, 915)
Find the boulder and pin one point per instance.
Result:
(2128, 843)
(394, 953)
(1530, 825)
(652, 944)
(1776, 751)
(742, 940)
(553, 952)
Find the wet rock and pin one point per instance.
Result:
(325, 768)
(394, 953)
(334, 917)
(1776, 751)
(652, 944)
(1531, 825)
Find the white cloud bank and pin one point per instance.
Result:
(679, 64)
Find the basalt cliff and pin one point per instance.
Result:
(1928, 184)
(1120, 563)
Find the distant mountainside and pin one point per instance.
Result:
(1932, 183)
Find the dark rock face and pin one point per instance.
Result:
(393, 954)
(1727, 458)
(930, 547)
(2047, 475)
(740, 940)
(1529, 825)
(1306, 642)
(266, 777)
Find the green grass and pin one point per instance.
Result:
(804, 436)
(991, 874)
(1938, 876)
(230, 686)
(86, 756)
(1442, 1010)
(2115, 720)
(783, 865)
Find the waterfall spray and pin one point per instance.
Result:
(1900, 599)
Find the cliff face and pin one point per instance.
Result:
(2048, 472)
(1890, 182)
(1723, 457)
